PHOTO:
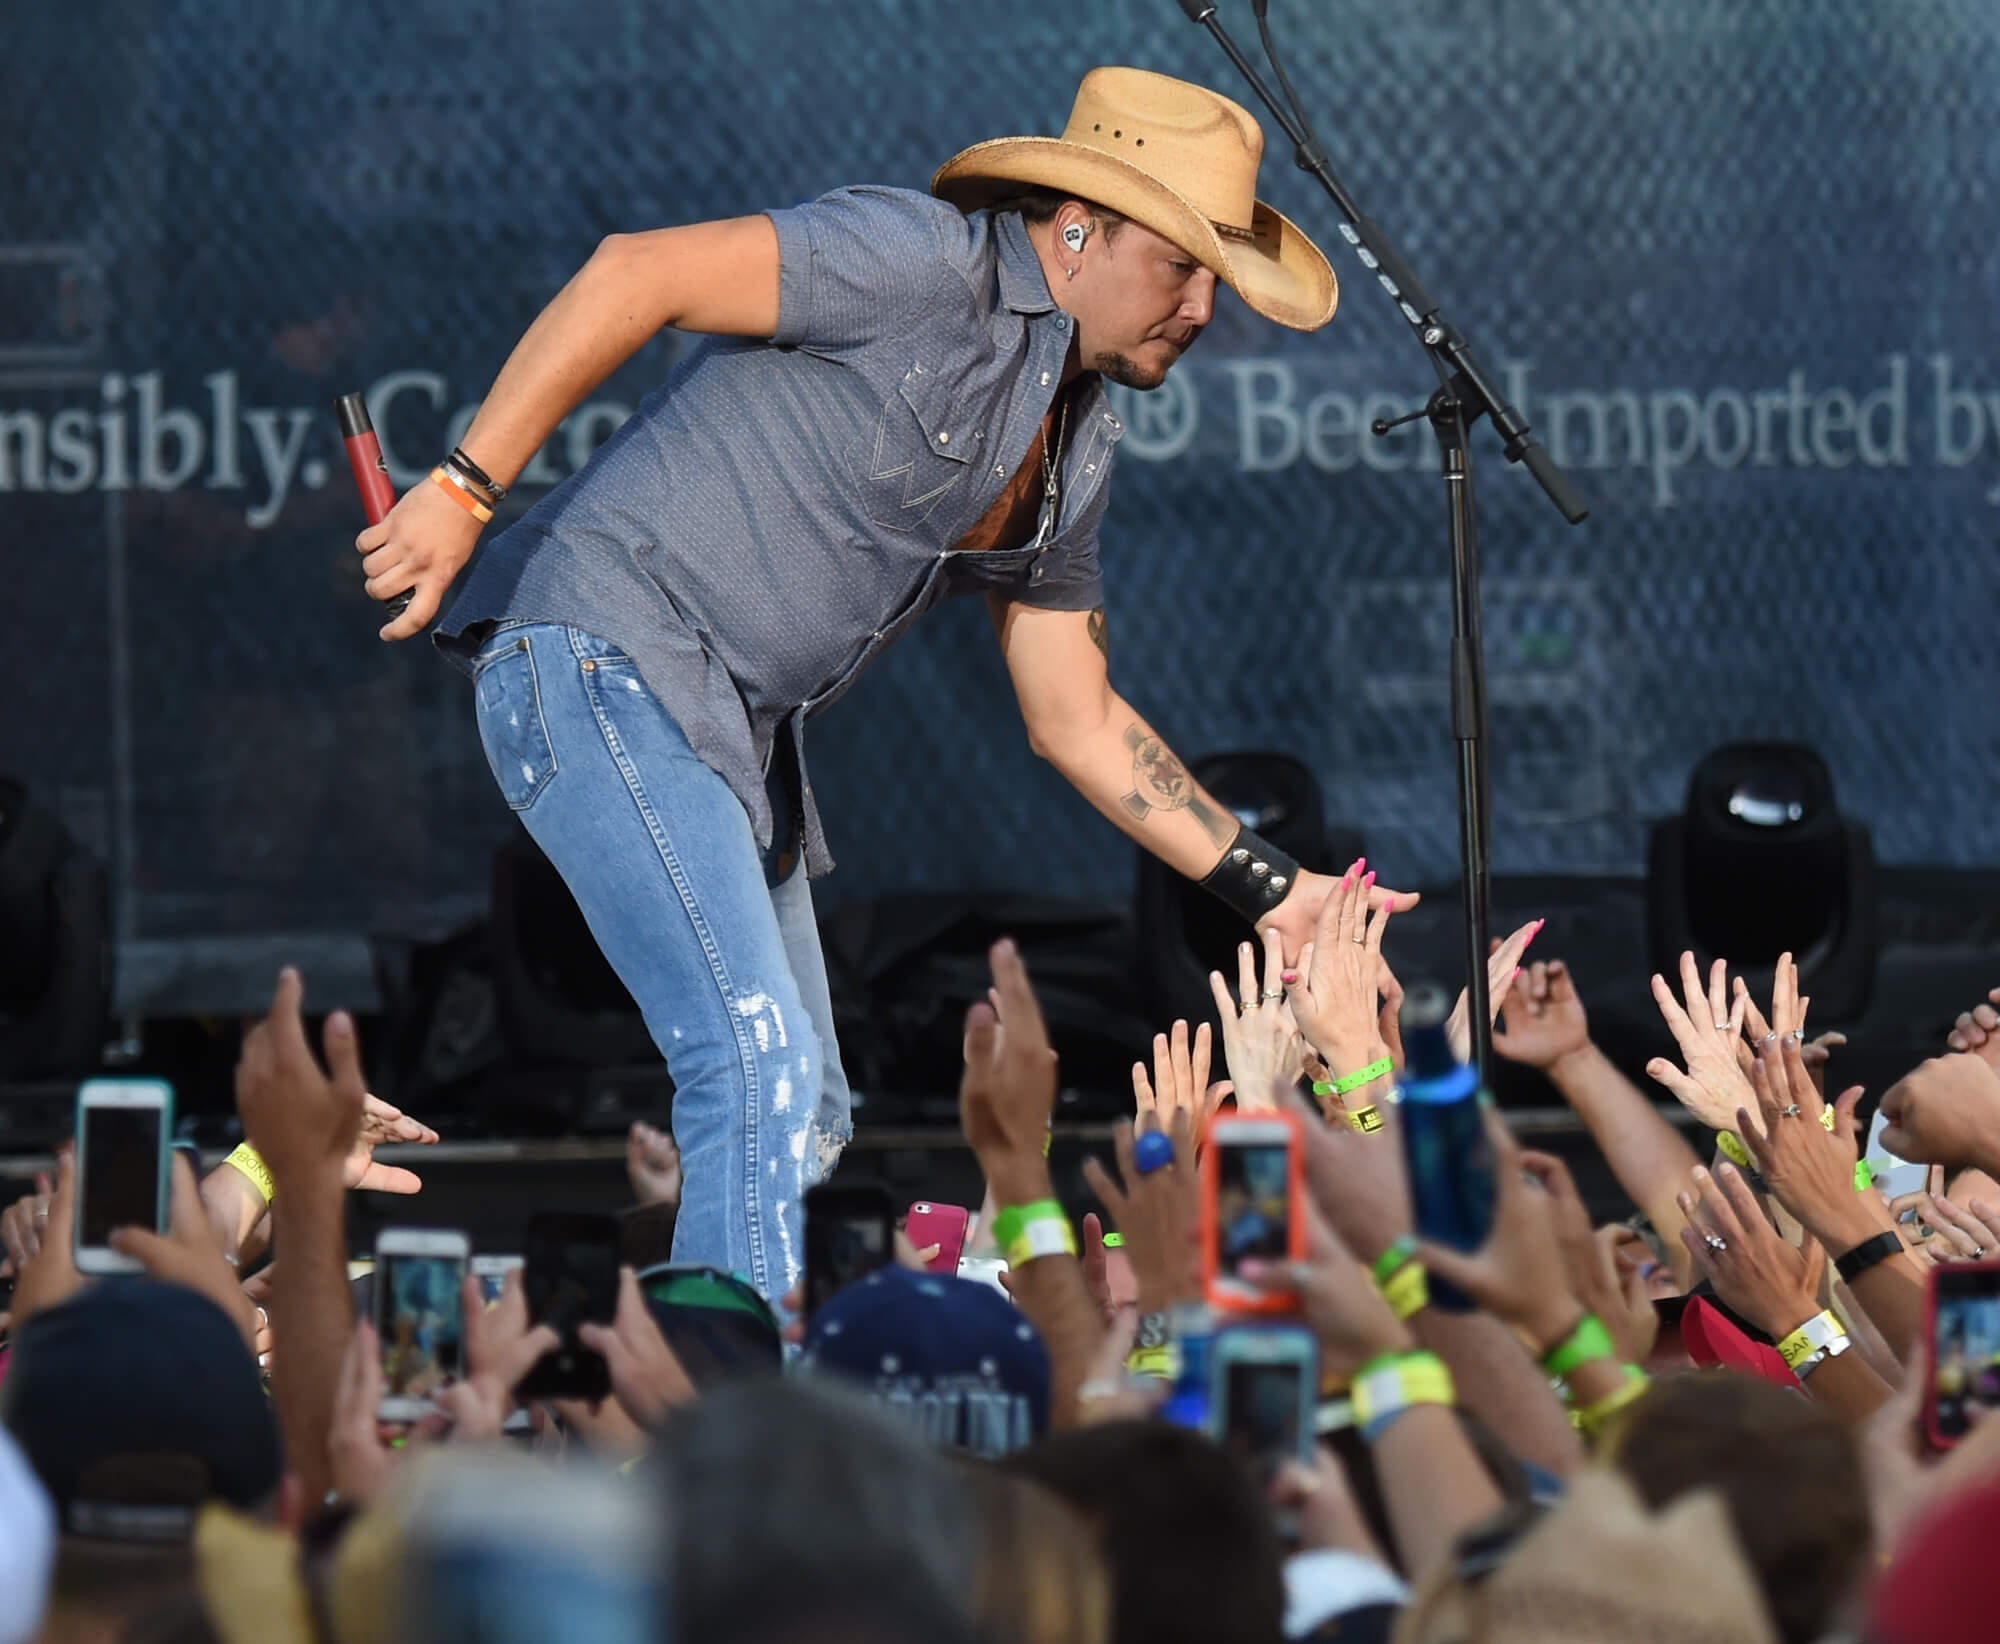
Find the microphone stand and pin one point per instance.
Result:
(1465, 393)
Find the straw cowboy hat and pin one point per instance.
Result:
(1176, 158)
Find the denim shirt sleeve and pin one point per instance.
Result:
(859, 264)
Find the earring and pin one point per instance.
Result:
(1069, 273)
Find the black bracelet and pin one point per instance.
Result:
(1252, 877)
(472, 471)
(1866, 1254)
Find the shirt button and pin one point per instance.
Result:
(1045, 379)
(1000, 468)
(944, 439)
(1062, 322)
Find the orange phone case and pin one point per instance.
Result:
(1222, 1292)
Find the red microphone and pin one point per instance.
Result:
(371, 473)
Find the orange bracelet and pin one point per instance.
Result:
(448, 482)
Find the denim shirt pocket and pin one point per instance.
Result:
(512, 730)
(923, 449)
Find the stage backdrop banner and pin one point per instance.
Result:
(1735, 259)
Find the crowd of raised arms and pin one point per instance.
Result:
(1705, 1422)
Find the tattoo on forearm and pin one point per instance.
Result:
(1160, 782)
(1100, 631)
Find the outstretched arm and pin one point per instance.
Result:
(1059, 663)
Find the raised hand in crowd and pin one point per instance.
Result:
(1543, 1021)
(1335, 990)
(1295, 918)
(1546, 1027)
(49, 1277)
(305, 1121)
(652, 1165)
(646, 1377)
(22, 1224)
(189, 1254)
(1973, 1228)
(1619, 1299)
(1179, 1080)
(1158, 1212)
(362, 1452)
(1715, 1085)
(1503, 964)
(1260, 1040)
(1977, 1031)
(501, 1347)
(1006, 1097)
(1108, 1393)
(1787, 1018)
(1774, 1286)
(1107, 1270)
(1945, 1111)
(381, 1123)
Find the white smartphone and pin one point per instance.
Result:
(124, 1136)
(984, 1270)
(1263, 1390)
(1893, 1176)
(491, 1272)
(420, 1315)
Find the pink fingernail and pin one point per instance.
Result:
(1288, 977)
(1369, 882)
(1361, 862)
(1517, 973)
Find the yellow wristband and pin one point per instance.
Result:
(1407, 1290)
(250, 1163)
(1386, 1387)
(1367, 1120)
(1044, 1236)
(1731, 1147)
(1809, 1338)
(1594, 1418)
(1151, 1361)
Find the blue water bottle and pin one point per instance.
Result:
(1191, 1327)
(1445, 1145)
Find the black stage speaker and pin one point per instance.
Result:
(1761, 862)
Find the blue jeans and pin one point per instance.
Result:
(724, 963)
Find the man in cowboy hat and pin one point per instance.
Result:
(902, 400)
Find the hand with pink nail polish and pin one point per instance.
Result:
(1502, 965)
(1333, 992)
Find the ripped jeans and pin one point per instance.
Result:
(725, 964)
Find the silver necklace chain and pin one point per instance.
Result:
(1052, 470)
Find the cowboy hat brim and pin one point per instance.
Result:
(1274, 268)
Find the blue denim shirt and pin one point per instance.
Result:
(779, 513)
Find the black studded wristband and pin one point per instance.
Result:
(1252, 877)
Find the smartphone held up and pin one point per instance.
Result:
(419, 1316)
(1252, 1182)
(124, 1150)
(1964, 1331)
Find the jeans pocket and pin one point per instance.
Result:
(511, 727)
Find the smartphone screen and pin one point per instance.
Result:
(571, 1278)
(121, 1162)
(1966, 1354)
(850, 1232)
(1252, 1203)
(422, 1323)
(1263, 1406)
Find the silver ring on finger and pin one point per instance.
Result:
(1722, 1026)
(1768, 1039)
(1249, 1004)
(1274, 993)
(41, 1212)
(1715, 1241)
(1359, 941)
(1791, 1110)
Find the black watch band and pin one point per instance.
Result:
(1252, 877)
(1866, 1254)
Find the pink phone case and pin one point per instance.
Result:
(942, 1225)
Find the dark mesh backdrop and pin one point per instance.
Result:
(1721, 232)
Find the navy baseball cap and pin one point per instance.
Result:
(950, 1355)
(136, 1402)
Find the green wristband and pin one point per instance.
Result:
(1864, 1175)
(1366, 1075)
(1007, 1224)
(1322, 1088)
(1589, 1340)
(1395, 1258)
